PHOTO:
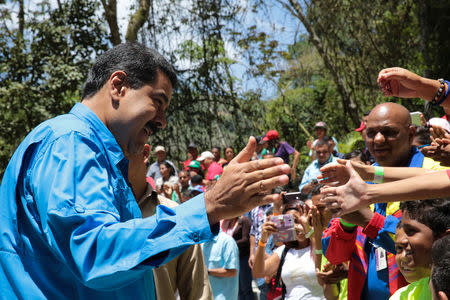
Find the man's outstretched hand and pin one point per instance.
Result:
(347, 198)
(245, 184)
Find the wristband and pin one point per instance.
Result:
(318, 251)
(275, 214)
(437, 98)
(379, 175)
(446, 93)
(261, 244)
(309, 233)
(347, 224)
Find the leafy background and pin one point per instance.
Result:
(239, 73)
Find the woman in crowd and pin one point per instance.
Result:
(297, 260)
(229, 155)
(166, 183)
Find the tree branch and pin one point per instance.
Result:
(111, 18)
(137, 20)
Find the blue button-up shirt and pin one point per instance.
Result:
(70, 225)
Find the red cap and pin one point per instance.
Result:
(361, 127)
(272, 134)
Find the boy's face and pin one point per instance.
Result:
(413, 246)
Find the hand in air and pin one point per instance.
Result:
(346, 198)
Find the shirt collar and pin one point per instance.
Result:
(109, 141)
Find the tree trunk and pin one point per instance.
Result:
(111, 18)
(348, 102)
(137, 20)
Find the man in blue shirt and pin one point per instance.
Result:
(71, 227)
(323, 151)
(222, 260)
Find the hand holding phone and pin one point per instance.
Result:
(286, 228)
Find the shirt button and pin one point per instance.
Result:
(195, 237)
(79, 209)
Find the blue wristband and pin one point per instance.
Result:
(445, 95)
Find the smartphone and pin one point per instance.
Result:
(294, 196)
(415, 118)
(286, 228)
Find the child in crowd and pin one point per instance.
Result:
(422, 223)
(440, 272)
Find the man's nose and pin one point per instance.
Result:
(161, 121)
(379, 138)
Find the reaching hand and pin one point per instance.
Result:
(304, 218)
(437, 132)
(335, 173)
(338, 174)
(245, 185)
(331, 274)
(400, 82)
(316, 220)
(346, 198)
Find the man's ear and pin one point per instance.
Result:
(118, 83)
(412, 133)
(146, 153)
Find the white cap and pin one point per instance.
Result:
(206, 154)
(159, 148)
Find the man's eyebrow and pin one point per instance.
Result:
(162, 95)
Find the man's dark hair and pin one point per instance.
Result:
(357, 153)
(170, 167)
(323, 141)
(316, 189)
(423, 135)
(440, 256)
(197, 179)
(139, 62)
(434, 213)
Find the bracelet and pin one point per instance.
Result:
(435, 100)
(318, 251)
(446, 93)
(347, 224)
(275, 214)
(261, 244)
(309, 233)
(379, 175)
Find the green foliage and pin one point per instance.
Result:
(44, 65)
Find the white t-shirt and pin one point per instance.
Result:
(299, 275)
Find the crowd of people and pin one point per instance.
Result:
(85, 215)
(361, 252)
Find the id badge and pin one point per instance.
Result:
(380, 258)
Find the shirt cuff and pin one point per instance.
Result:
(374, 226)
(192, 214)
(341, 233)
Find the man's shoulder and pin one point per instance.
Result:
(155, 164)
(226, 240)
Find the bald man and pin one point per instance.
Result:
(365, 237)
